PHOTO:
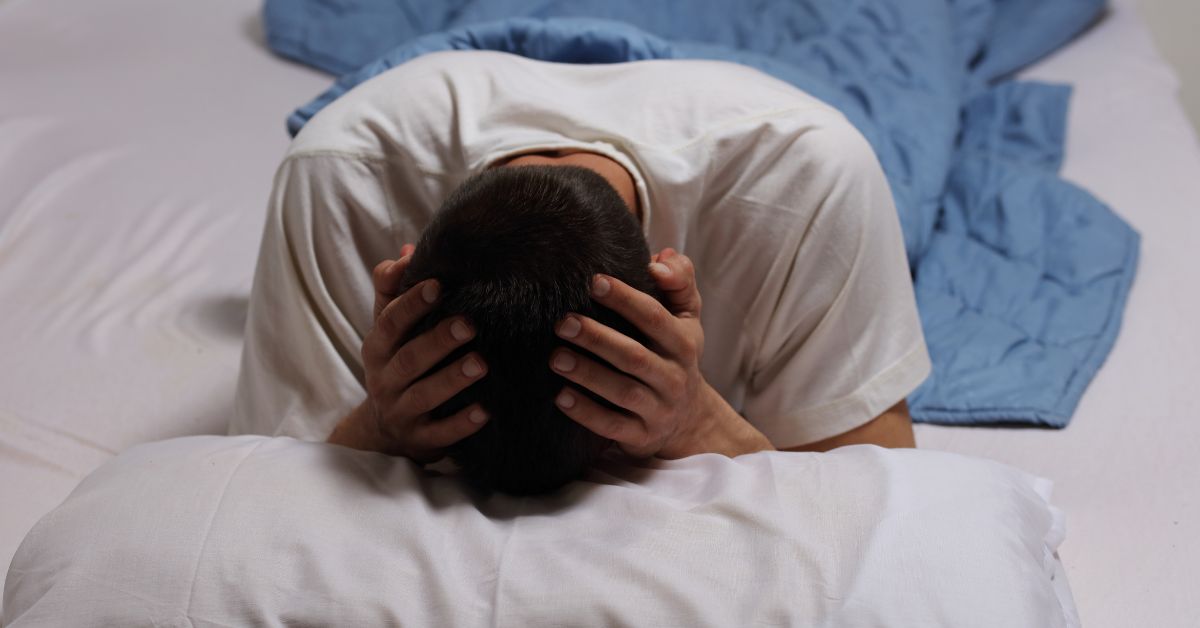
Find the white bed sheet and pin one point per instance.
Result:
(138, 140)
(137, 144)
(1126, 468)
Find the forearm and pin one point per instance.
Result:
(729, 433)
(892, 429)
(357, 430)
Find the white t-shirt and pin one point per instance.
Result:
(810, 324)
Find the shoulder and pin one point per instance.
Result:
(793, 163)
(408, 104)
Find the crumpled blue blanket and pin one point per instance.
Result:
(1021, 278)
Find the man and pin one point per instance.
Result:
(809, 329)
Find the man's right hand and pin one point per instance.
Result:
(395, 418)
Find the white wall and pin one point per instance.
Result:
(1176, 28)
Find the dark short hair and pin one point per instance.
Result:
(515, 249)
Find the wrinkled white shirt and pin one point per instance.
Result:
(810, 323)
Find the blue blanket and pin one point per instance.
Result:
(1021, 278)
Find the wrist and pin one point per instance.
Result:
(726, 432)
(360, 430)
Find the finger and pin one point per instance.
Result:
(441, 433)
(676, 277)
(379, 282)
(420, 354)
(438, 388)
(396, 319)
(626, 430)
(386, 279)
(641, 309)
(619, 350)
(619, 389)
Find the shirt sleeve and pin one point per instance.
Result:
(838, 340)
(327, 226)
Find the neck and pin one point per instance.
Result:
(612, 171)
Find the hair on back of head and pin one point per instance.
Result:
(515, 250)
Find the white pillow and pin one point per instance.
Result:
(250, 530)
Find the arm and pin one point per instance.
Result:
(357, 431)
(838, 343)
(394, 419)
(725, 431)
(310, 304)
(892, 429)
(670, 411)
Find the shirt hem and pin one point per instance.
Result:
(881, 392)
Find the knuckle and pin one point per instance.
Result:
(417, 399)
(677, 381)
(638, 363)
(400, 314)
(626, 296)
(412, 304)
(386, 323)
(690, 348)
(631, 397)
(609, 429)
(590, 335)
(659, 320)
(380, 270)
(615, 429)
(403, 367)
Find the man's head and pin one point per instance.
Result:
(515, 250)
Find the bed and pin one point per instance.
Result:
(137, 145)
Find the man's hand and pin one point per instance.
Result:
(395, 419)
(670, 410)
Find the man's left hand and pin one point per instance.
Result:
(670, 410)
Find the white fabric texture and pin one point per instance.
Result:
(239, 531)
(810, 324)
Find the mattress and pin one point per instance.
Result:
(137, 145)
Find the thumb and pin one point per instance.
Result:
(386, 279)
(676, 277)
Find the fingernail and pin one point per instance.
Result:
(460, 331)
(471, 368)
(477, 416)
(600, 286)
(565, 400)
(429, 292)
(564, 362)
(661, 270)
(569, 328)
